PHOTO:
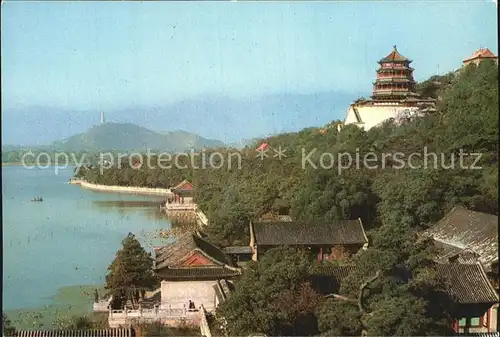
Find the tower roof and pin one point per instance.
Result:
(484, 53)
(394, 56)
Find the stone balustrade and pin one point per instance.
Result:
(171, 316)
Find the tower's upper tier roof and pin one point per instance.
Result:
(394, 56)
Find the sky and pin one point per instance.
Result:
(117, 55)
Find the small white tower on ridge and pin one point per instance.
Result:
(102, 118)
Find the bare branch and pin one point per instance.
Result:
(362, 289)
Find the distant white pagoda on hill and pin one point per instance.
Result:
(102, 118)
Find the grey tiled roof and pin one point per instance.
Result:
(173, 254)
(237, 250)
(342, 232)
(198, 272)
(77, 333)
(468, 283)
(465, 229)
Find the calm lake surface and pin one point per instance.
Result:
(68, 239)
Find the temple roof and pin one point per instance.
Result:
(465, 229)
(341, 232)
(118, 332)
(466, 283)
(186, 245)
(183, 186)
(198, 272)
(481, 53)
(394, 56)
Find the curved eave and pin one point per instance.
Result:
(393, 80)
(386, 60)
(481, 57)
(384, 69)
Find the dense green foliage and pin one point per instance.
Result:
(466, 121)
(394, 290)
(273, 297)
(131, 273)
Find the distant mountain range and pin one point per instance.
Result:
(131, 137)
(230, 120)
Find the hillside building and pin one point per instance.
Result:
(191, 270)
(325, 240)
(480, 55)
(465, 236)
(394, 95)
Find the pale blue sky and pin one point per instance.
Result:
(113, 55)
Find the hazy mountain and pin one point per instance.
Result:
(227, 119)
(130, 137)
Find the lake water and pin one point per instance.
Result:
(68, 239)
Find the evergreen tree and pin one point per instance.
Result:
(131, 273)
(273, 297)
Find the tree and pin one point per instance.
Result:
(394, 290)
(131, 272)
(273, 297)
(7, 328)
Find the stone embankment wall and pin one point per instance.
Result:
(122, 189)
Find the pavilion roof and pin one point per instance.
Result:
(341, 232)
(481, 53)
(198, 272)
(173, 254)
(184, 185)
(463, 229)
(468, 283)
(394, 56)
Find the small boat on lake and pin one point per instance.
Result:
(37, 199)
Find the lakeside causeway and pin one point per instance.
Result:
(186, 212)
(121, 189)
